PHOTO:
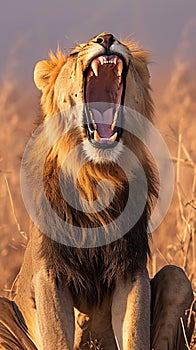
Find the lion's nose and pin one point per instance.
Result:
(105, 40)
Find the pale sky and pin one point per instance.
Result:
(29, 29)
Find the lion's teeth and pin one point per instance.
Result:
(120, 79)
(96, 136)
(107, 59)
(95, 67)
(113, 126)
(114, 120)
(114, 137)
(119, 68)
(115, 60)
(102, 60)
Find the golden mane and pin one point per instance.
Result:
(98, 182)
(48, 72)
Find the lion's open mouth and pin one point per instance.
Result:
(104, 87)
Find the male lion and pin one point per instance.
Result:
(84, 282)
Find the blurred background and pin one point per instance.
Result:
(28, 30)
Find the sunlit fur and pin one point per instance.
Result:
(86, 168)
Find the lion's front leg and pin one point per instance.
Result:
(131, 313)
(55, 313)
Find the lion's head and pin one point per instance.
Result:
(101, 77)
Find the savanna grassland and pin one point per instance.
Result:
(174, 242)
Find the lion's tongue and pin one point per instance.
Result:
(103, 121)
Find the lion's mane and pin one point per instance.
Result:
(92, 272)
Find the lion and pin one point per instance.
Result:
(84, 281)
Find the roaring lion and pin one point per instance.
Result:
(84, 282)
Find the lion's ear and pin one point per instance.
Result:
(42, 74)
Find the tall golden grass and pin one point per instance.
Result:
(174, 242)
(16, 119)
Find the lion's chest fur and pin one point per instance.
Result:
(92, 272)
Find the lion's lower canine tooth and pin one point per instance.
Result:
(114, 137)
(96, 136)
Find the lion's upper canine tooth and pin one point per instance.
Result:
(119, 68)
(96, 136)
(113, 125)
(115, 119)
(114, 137)
(95, 67)
(102, 60)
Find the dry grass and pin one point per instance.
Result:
(181, 248)
(175, 240)
(16, 119)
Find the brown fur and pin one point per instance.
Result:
(128, 254)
